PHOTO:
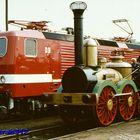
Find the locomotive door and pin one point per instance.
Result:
(53, 55)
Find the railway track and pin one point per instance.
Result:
(48, 132)
(45, 131)
(13, 129)
(57, 132)
(16, 117)
(32, 133)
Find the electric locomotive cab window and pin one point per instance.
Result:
(30, 48)
(3, 46)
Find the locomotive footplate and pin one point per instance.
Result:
(70, 99)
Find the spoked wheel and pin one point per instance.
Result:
(106, 109)
(139, 107)
(127, 103)
(69, 114)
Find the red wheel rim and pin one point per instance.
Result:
(138, 103)
(139, 107)
(106, 109)
(127, 103)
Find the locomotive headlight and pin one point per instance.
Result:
(2, 79)
(78, 5)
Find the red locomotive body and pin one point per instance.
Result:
(32, 63)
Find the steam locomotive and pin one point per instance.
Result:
(100, 93)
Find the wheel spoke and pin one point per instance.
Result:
(106, 109)
(127, 103)
(139, 106)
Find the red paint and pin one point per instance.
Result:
(15, 62)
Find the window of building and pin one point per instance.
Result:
(30, 48)
(3, 46)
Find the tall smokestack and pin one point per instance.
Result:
(78, 8)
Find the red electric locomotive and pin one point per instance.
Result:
(31, 63)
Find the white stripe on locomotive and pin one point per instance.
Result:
(27, 78)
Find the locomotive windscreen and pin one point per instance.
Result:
(77, 79)
(107, 43)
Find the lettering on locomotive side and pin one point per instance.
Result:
(47, 50)
(108, 76)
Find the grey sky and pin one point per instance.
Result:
(97, 18)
